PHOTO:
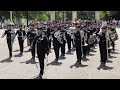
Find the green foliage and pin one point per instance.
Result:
(110, 15)
(18, 15)
(86, 15)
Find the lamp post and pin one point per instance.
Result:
(11, 16)
(55, 15)
(69, 15)
(63, 16)
(27, 17)
(107, 14)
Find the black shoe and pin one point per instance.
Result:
(63, 55)
(10, 57)
(69, 51)
(101, 66)
(29, 50)
(21, 53)
(40, 76)
(104, 67)
(78, 61)
(33, 59)
(84, 57)
(56, 60)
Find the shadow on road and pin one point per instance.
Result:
(108, 61)
(16, 51)
(111, 57)
(73, 49)
(90, 54)
(62, 58)
(29, 62)
(115, 53)
(105, 68)
(69, 53)
(85, 59)
(27, 51)
(6, 60)
(77, 65)
(36, 77)
(93, 51)
(18, 55)
(54, 63)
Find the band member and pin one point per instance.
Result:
(68, 37)
(42, 48)
(109, 40)
(103, 47)
(31, 35)
(56, 43)
(10, 39)
(114, 37)
(84, 42)
(88, 36)
(78, 44)
(63, 36)
(21, 37)
(49, 30)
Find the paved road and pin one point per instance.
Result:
(65, 69)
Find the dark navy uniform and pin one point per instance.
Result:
(103, 47)
(113, 43)
(78, 46)
(31, 35)
(63, 36)
(49, 30)
(69, 40)
(56, 46)
(88, 36)
(10, 39)
(84, 46)
(21, 36)
(42, 48)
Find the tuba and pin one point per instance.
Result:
(58, 36)
(114, 36)
(91, 39)
(71, 32)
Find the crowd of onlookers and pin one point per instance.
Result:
(3, 25)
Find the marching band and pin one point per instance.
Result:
(82, 35)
